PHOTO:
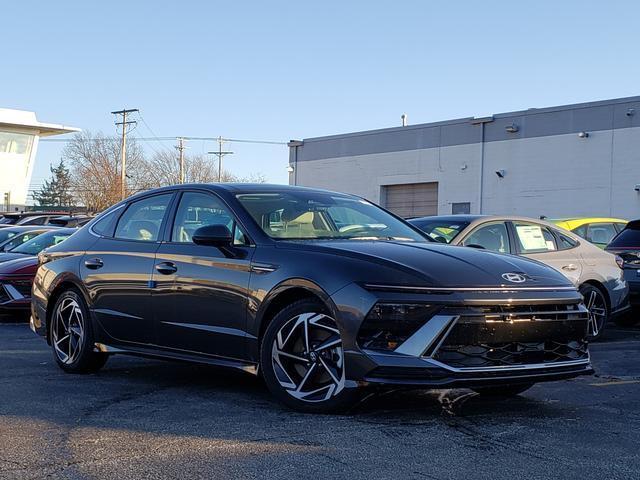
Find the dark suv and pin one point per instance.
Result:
(321, 293)
(627, 245)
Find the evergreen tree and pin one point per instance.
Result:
(56, 192)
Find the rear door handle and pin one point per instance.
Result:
(570, 267)
(166, 268)
(93, 263)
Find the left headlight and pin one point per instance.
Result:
(388, 325)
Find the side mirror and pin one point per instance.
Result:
(213, 236)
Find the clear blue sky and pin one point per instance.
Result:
(280, 70)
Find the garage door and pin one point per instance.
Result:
(412, 199)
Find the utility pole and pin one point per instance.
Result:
(181, 148)
(220, 154)
(123, 148)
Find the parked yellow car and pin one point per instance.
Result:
(597, 230)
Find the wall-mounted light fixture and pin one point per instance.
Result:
(500, 173)
(290, 169)
(513, 128)
(630, 112)
(583, 134)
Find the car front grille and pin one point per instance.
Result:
(23, 287)
(512, 353)
(515, 336)
(4, 296)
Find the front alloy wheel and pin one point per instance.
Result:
(303, 359)
(596, 304)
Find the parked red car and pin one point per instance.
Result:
(16, 277)
(18, 269)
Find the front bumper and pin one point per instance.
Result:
(480, 339)
(14, 296)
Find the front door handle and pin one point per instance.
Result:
(166, 268)
(571, 267)
(93, 263)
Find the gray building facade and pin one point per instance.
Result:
(573, 160)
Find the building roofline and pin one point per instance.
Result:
(463, 120)
(23, 119)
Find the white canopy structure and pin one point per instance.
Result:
(19, 135)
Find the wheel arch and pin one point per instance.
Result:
(285, 294)
(600, 286)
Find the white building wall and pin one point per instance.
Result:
(556, 176)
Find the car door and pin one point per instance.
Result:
(492, 236)
(117, 268)
(538, 242)
(201, 292)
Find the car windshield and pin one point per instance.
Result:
(440, 231)
(313, 215)
(6, 234)
(39, 243)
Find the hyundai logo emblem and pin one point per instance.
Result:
(514, 277)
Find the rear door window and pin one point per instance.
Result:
(534, 238)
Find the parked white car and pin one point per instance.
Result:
(597, 274)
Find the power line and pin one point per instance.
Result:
(164, 139)
(153, 133)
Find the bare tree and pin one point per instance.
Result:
(163, 168)
(94, 162)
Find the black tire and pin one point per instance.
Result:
(599, 320)
(298, 371)
(80, 355)
(503, 391)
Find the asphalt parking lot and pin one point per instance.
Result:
(142, 418)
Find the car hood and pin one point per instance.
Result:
(8, 256)
(445, 265)
(25, 265)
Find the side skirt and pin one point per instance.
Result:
(181, 356)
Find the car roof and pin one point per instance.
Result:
(476, 219)
(578, 221)
(239, 188)
(449, 218)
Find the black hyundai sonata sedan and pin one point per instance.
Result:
(322, 293)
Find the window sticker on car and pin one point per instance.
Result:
(531, 237)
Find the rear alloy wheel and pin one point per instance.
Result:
(596, 303)
(72, 337)
(302, 359)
